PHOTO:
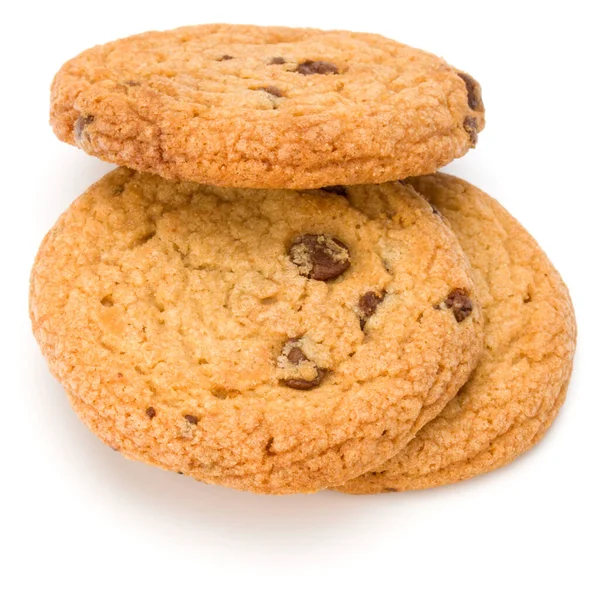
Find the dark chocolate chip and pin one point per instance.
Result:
(340, 190)
(277, 60)
(225, 57)
(295, 356)
(319, 256)
(460, 303)
(305, 384)
(274, 91)
(269, 446)
(317, 67)
(473, 91)
(470, 126)
(150, 412)
(367, 305)
(81, 123)
(191, 419)
(435, 211)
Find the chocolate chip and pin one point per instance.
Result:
(295, 356)
(435, 211)
(269, 446)
(81, 123)
(460, 303)
(304, 384)
(317, 67)
(191, 419)
(390, 490)
(274, 91)
(340, 190)
(150, 412)
(277, 60)
(319, 256)
(470, 126)
(473, 91)
(225, 57)
(367, 305)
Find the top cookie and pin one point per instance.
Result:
(266, 107)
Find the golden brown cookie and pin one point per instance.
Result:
(520, 383)
(267, 107)
(274, 341)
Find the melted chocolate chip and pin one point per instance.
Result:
(460, 303)
(317, 67)
(274, 91)
(305, 384)
(367, 305)
(81, 123)
(225, 57)
(470, 126)
(277, 60)
(150, 412)
(319, 256)
(295, 356)
(339, 190)
(473, 91)
(191, 419)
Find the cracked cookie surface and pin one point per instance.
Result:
(187, 337)
(266, 107)
(520, 383)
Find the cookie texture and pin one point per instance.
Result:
(267, 107)
(520, 383)
(190, 331)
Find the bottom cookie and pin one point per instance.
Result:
(517, 389)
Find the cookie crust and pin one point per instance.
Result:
(266, 107)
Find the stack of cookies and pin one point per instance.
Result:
(275, 291)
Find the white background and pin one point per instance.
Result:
(79, 521)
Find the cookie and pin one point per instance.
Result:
(267, 107)
(520, 383)
(274, 341)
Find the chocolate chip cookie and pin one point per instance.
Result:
(520, 383)
(274, 341)
(267, 107)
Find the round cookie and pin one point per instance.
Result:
(274, 341)
(520, 383)
(266, 107)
